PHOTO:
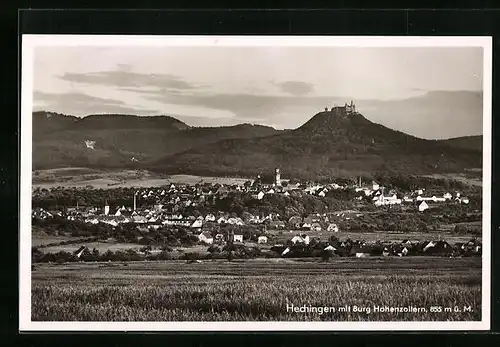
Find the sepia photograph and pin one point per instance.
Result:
(232, 183)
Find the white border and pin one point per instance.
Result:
(29, 42)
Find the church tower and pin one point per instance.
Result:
(278, 178)
(106, 208)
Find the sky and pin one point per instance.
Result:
(418, 90)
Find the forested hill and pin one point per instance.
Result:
(328, 144)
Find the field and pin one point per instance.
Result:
(107, 179)
(258, 290)
(102, 247)
(472, 177)
(40, 239)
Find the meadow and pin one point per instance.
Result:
(107, 179)
(256, 290)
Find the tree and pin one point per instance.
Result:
(213, 249)
(326, 255)
(229, 250)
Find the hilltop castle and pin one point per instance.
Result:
(343, 110)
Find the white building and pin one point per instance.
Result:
(197, 224)
(387, 200)
(300, 239)
(262, 239)
(423, 206)
(258, 196)
(206, 237)
(210, 218)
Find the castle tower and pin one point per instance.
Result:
(106, 208)
(278, 178)
(135, 201)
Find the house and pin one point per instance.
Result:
(332, 227)
(406, 243)
(92, 220)
(423, 206)
(387, 200)
(401, 250)
(438, 247)
(301, 239)
(315, 227)
(447, 196)
(258, 196)
(375, 186)
(464, 200)
(407, 199)
(432, 198)
(210, 218)
(206, 237)
(436, 199)
(139, 219)
(360, 252)
(386, 252)
(221, 220)
(306, 226)
(277, 224)
(262, 239)
(238, 238)
(219, 238)
(197, 224)
(313, 218)
(295, 222)
(78, 253)
(235, 221)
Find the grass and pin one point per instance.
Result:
(100, 246)
(106, 179)
(39, 239)
(255, 290)
(473, 177)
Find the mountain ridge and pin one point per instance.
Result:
(328, 143)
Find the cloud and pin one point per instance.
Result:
(296, 88)
(125, 78)
(80, 104)
(74, 98)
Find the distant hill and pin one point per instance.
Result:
(466, 142)
(328, 144)
(121, 140)
(123, 121)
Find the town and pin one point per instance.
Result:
(261, 212)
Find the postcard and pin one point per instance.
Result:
(255, 183)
